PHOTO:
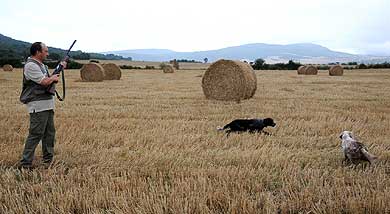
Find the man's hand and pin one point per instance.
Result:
(63, 63)
(54, 78)
(49, 80)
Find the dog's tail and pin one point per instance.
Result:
(370, 157)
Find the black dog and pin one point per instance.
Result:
(248, 125)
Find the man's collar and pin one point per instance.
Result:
(32, 58)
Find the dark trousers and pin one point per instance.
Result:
(41, 129)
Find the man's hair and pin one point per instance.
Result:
(35, 47)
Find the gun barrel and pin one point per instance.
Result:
(67, 53)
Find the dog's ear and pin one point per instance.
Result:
(343, 133)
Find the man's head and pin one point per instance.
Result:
(39, 51)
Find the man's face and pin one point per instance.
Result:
(42, 55)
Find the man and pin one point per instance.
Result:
(40, 105)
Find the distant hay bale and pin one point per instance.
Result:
(92, 72)
(111, 71)
(336, 70)
(168, 69)
(311, 70)
(8, 67)
(175, 64)
(301, 69)
(229, 80)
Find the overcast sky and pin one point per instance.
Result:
(354, 26)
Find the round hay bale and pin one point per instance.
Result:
(336, 70)
(229, 80)
(311, 70)
(111, 71)
(8, 67)
(301, 69)
(92, 72)
(168, 69)
(253, 78)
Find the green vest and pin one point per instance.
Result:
(32, 91)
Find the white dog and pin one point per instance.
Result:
(353, 150)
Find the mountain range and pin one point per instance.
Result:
(272, 53)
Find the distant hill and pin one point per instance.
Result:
(302, 52)
(15, 51)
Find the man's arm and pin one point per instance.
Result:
(33, 72)
(54, 77)
(46, 81)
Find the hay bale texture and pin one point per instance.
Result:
(301, 70)
(8, 67)
(111, 71)
(92, 72)
(229, 80)
(168, 69)
(336, 70)
(311, 70)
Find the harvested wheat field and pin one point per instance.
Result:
(148, 144)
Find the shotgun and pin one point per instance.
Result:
(60, 69)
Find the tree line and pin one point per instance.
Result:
(259, 64)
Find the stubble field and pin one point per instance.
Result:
(148, 144)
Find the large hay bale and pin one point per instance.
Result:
(229, 80)
(301, 69)
(8, 67)
(168, 69)
(311, 70)
(92, 72)
(253, 78)
(336, 70)
(111, 71)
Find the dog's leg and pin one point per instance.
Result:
(347, 161)
(228, 133)
(344, 161)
